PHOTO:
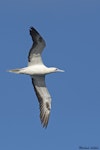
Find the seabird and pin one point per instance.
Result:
(37, 71)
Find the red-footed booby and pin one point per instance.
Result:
(37, 70)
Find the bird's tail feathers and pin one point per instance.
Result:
(15, 71)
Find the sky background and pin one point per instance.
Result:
(71, 29)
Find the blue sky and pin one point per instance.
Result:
(71, 29)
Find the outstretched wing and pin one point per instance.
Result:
(44, 98)
(34, 56)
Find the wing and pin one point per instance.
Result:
(34, 56)
(44, 98)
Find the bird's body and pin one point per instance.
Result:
(37, 70)
(34, 70)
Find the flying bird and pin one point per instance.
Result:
(37, 71)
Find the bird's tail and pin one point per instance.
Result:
(15, 71)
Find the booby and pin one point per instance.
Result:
(37, 71)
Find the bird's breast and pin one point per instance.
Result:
(35, 70)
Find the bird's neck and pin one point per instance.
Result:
(50, 69)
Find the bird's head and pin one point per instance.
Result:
(53, 69)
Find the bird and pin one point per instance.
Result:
(37, 71)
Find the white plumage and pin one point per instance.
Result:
(37, 70)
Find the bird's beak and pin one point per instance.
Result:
(59, 70)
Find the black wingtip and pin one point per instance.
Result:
(33, 30)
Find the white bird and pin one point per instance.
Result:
(37, 70)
